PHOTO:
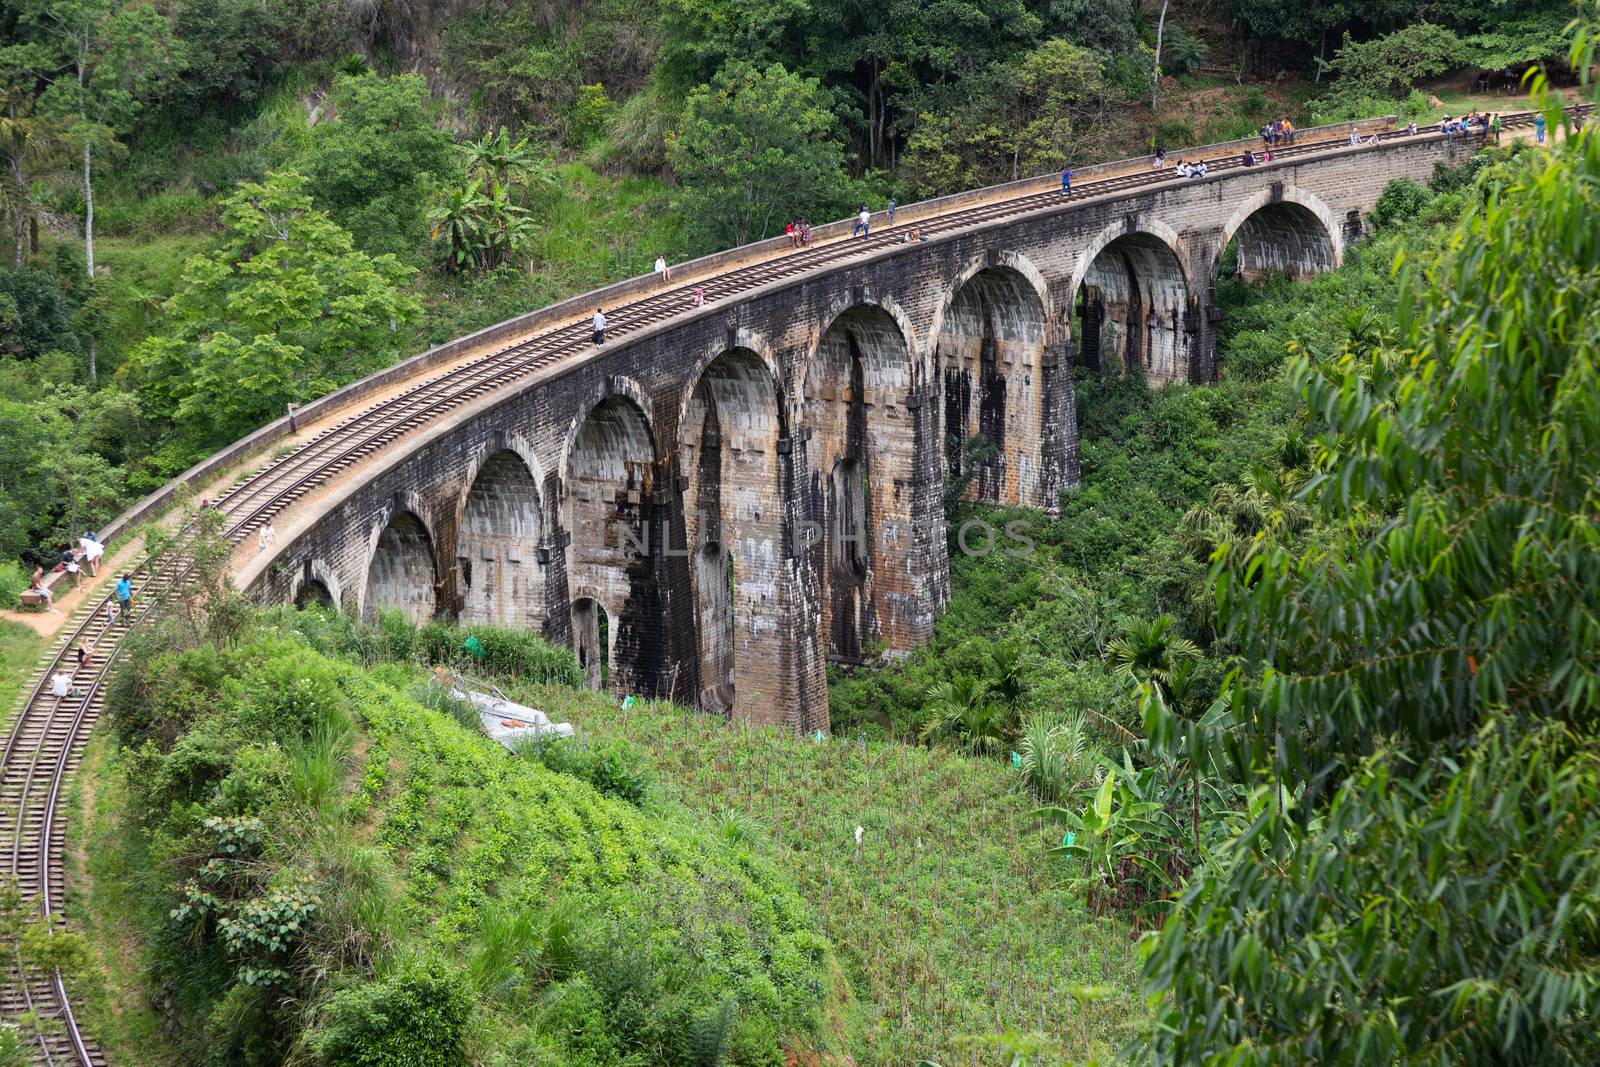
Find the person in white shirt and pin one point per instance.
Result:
(266, 537)
(599, 327)
(92, 551)
(61, 685)
(662, 269)
(863, 223)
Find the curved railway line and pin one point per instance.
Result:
(44, 738)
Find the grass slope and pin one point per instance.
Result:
(949, 918)
(557, 923)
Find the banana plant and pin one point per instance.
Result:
(1124, 825)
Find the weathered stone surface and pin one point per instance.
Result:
(715, 506)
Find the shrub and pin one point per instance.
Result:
(1402, 200)
(416, 1017)
(13, 580)
(499, 651)
(615, 768)
(1056, 755)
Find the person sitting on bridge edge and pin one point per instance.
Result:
(1249, 158)
(1066, 181)
(37, 587)
(599, 327)
(863, 223)
(663, 271)
(266, 537)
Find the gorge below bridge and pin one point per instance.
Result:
(724, 497)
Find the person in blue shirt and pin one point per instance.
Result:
(1538, 129)
(125, 598)
(1066, 181)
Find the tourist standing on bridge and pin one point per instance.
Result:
(266, 537)
(891, 211)
(1538, 129)
(1494, 124)
(1161, 157)
(92, 551)
(599, 327)
(1066, 181)
(663, 271)
(863, 223)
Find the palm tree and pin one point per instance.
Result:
(1151, 651)
(962, 711)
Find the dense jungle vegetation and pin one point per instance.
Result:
(1276, 750)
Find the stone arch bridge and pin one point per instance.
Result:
(728, 494)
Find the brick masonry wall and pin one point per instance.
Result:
(744, 452)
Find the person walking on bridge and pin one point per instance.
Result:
(863, 223)
(1066, 181)
(599, 327)
(124, 591)
(266, 537)
(891, 211)
(1538, 129)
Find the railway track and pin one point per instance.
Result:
(44, 739)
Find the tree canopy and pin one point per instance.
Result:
(1417, 712)
(755, 147)
(281, 312)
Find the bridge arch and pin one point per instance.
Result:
(1286, 229)
(729, 437)
(315, 583)
(401, 571)
(991, 336)
(499, 523)
(1131, 289)
(609, 485)
(857, 406)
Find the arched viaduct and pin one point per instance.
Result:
(715, 505)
